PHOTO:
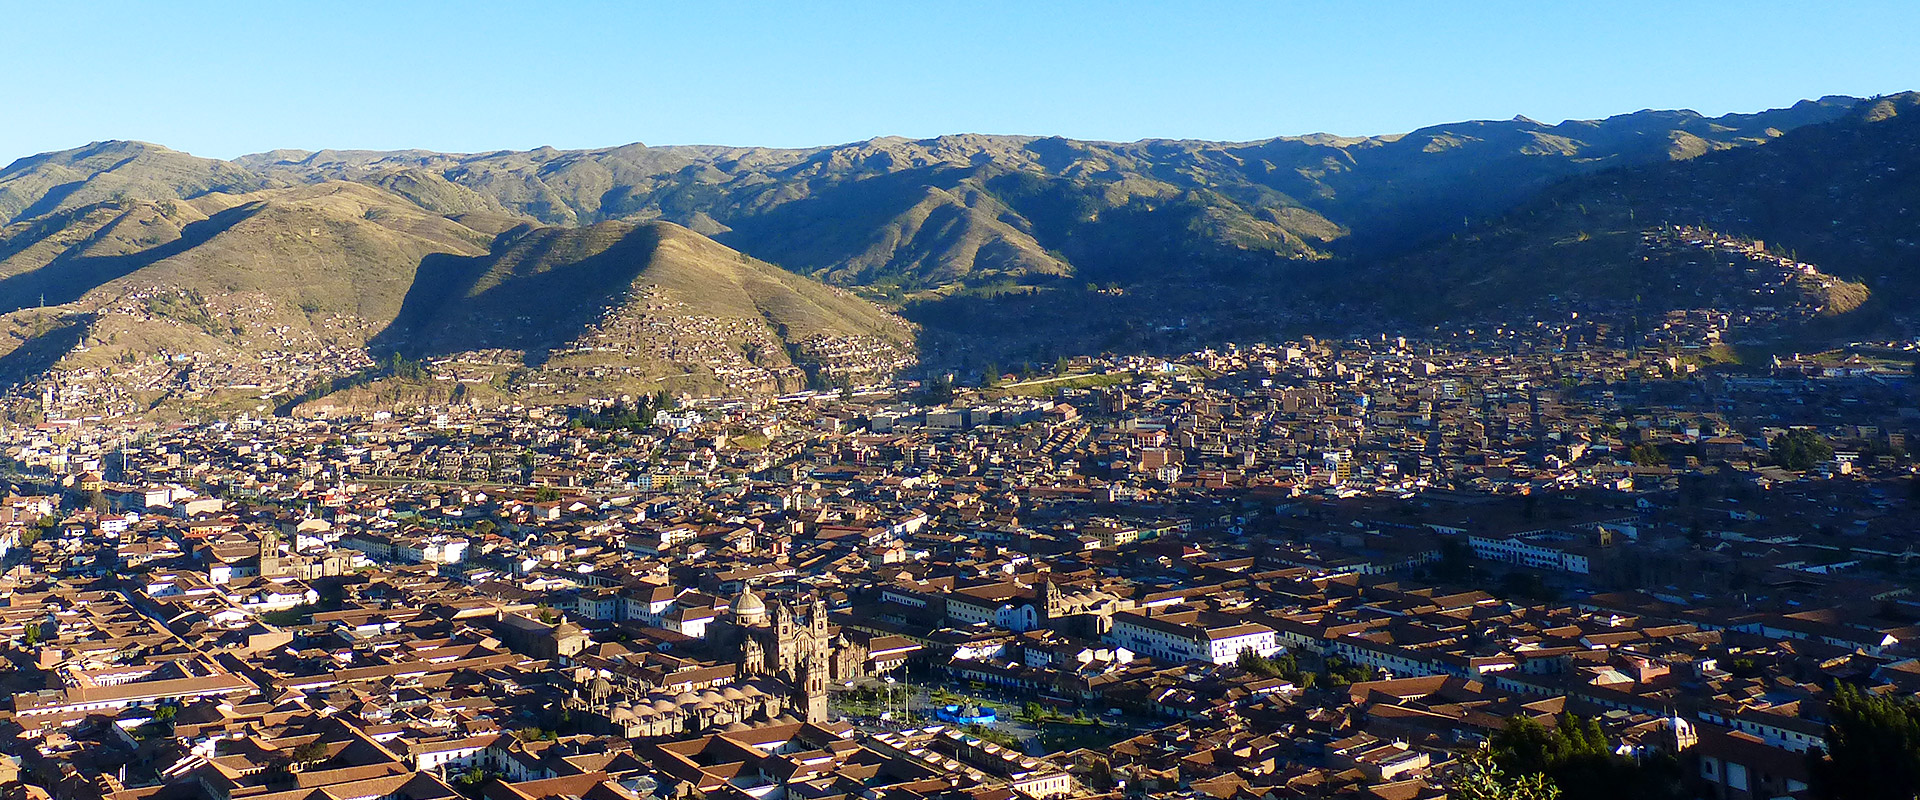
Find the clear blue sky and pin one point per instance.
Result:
(221, 79)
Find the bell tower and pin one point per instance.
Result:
(782, 621)
(813, 690)
(786, 651)
(269, 554)
(1053, 602)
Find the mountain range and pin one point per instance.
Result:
(229, 301)
(1844, 195)
(133, 275)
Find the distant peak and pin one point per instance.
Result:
(123, 145)
(285, 155)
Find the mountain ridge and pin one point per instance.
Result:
(231, 302)
(1839, 196)
(550, 273)
(1272, 200)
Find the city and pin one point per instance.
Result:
(868, 400)
(1321, 567)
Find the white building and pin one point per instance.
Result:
(1180, 635)
(1549, 550)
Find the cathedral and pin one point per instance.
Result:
(771, 641)
(784, 663)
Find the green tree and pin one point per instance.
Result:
(1341, 672)
(1576, 756)
(309, 753)
(1456, 560)
(937, 391)
(398, 366)
(1481, 778)
(1799, 449)
(1526, 584)
(1257, 664)
(287, 616)
(1873, 748)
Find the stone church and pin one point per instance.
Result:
(783, 665)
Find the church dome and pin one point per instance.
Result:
(749, 608)
(663, 705)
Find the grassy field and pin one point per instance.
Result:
(1047, 387)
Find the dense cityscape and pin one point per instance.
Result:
(1374, 568)
(921, 401)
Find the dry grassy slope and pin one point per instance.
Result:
(1582, 255)
(431, 191)
(250, 283)
(930, 214)
(716, 279)
(1840, 195)
(106, 171)
(558, 314)
(545, 286)
(104, 230)
(913, 216)
(236, 278)
(900, 229)
(334, 247)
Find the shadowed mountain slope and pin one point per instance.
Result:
(548, 271)
(542, 289)
(231, 300)
(974, 211)
(1842, 197)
